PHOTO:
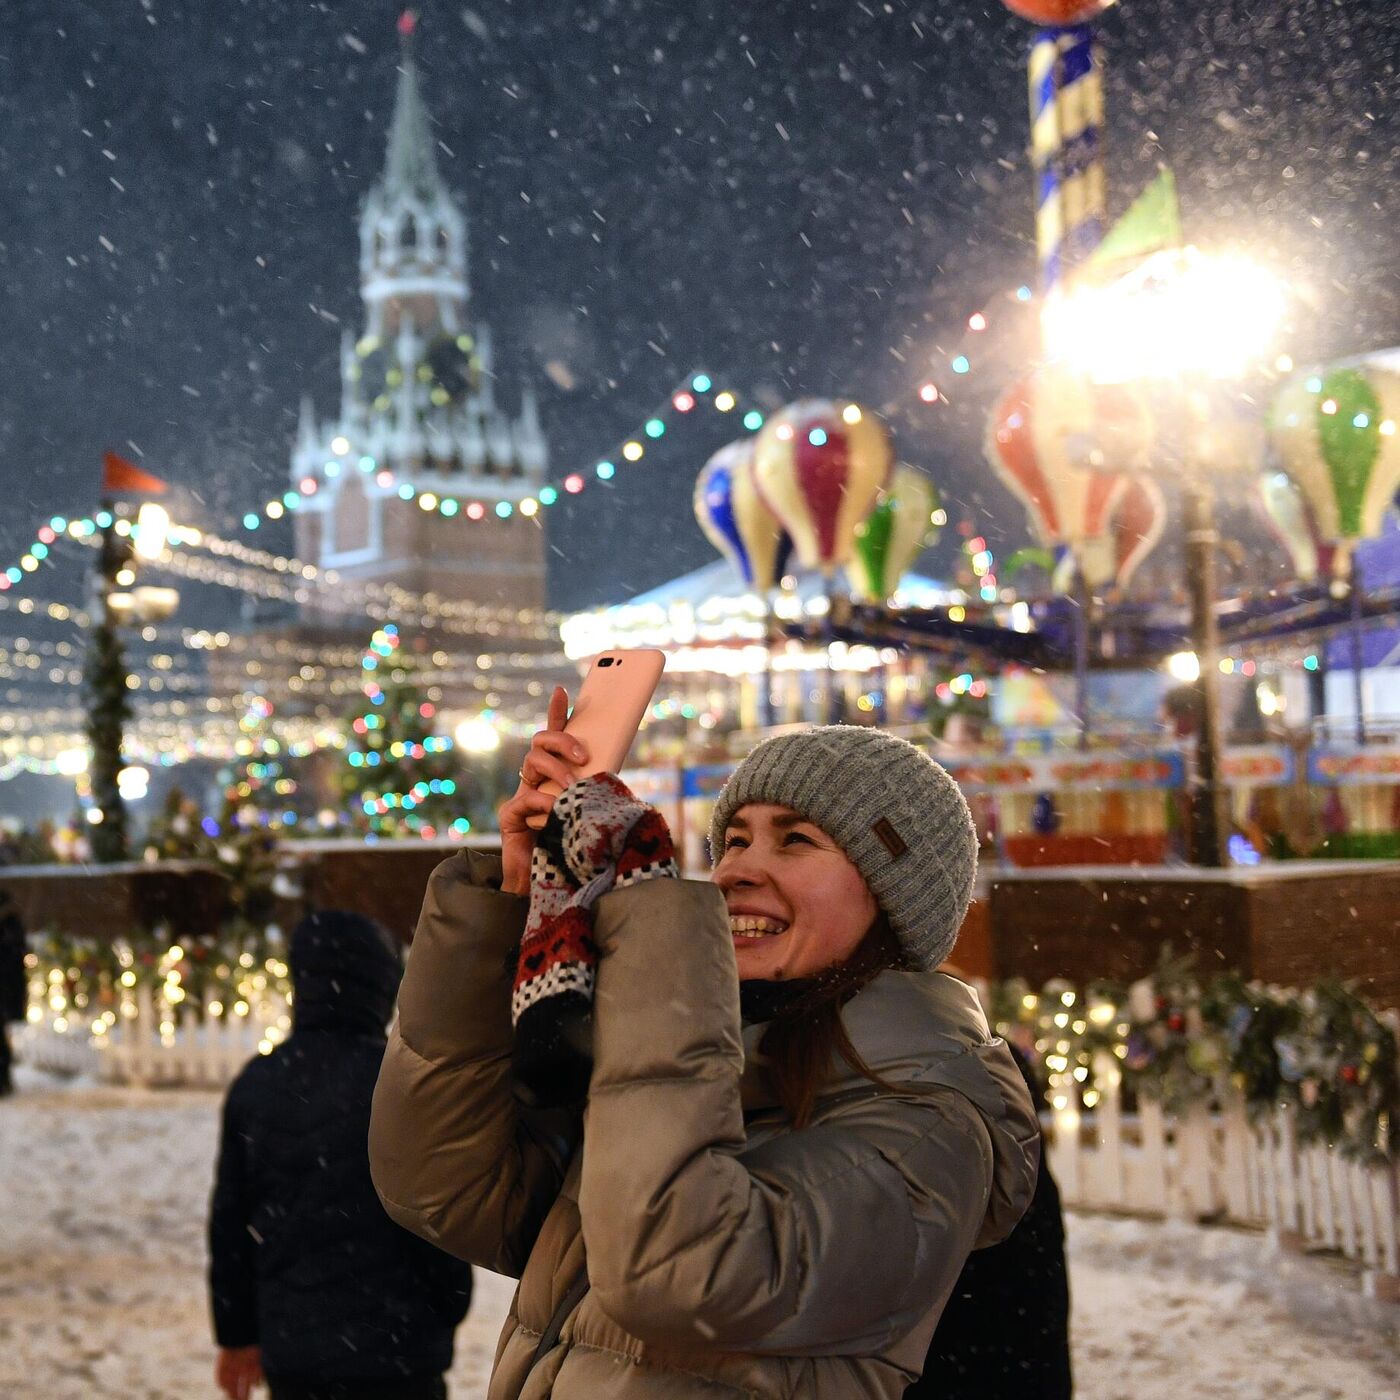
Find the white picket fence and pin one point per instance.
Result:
(1220, 1167)
(1203, 1166)
(191, 1047)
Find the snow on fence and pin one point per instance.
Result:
(1201, 1165)
(203, 1046)
(1221, 1167)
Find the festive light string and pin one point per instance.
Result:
(382, 592)
(438, 496)
(58, 612)
(267, 581)
(44, 538)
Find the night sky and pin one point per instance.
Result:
(803, 198)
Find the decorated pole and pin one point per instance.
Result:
(108, 696)
(105, 673)
(1066, 100)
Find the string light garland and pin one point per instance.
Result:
(694, 391)
(45, 537)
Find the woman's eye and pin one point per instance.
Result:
(798, 836)
(734, 843)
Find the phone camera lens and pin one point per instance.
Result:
(605, 661)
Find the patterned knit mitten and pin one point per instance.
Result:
(598, 838)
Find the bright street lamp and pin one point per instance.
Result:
(1183, 321)
(1181, 314)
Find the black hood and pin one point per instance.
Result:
(345, 973)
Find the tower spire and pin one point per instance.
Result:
(411, 166)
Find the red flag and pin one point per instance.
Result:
(123, 478)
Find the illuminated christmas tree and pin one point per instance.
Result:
(399, 772)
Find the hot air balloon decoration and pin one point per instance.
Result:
(1335, 433)
(819, 466)
(1136, 529)
(893, 535)
(1068, 504)
(735, 519)
(1058, 12)
(1293, 525)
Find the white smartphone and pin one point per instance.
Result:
(608, 710)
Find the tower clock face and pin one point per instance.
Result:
(453, 368)
(375, 375)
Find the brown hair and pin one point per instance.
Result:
(803, 1039)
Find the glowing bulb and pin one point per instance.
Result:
(725, 401)
(573, 484)
(477, 736)
(929, 393)
(340, 446)
(977, 322)
(633, 451)
(1184, 666)
(851, 413)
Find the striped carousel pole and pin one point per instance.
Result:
(1066, 98)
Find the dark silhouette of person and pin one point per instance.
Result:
(313, 1286)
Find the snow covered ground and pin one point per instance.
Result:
(102, 1196)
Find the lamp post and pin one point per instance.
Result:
(1182, 323)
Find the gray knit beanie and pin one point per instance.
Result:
(898, 816)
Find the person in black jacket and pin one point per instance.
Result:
(312, 1284)
(14, 993)
(1004, 1334)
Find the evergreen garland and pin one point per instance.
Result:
(108, 709)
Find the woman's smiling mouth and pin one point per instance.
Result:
(755, 926)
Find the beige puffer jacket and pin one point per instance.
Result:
(726, 1254)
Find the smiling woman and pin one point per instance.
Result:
(796, 1127)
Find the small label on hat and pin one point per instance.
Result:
(890, 839)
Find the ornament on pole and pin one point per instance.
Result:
(1292, 524)
(735, 519)
(900, 527)
(1135, 530)
(819, 465)
(1335, 432)
(1068, 505)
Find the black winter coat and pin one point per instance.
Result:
(303, 1260)
(14, 992)
(1004, 1333)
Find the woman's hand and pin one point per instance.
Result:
(553, 757)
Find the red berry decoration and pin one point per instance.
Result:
(1057, 12)
(1349, 1074)
(1176, 1021)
